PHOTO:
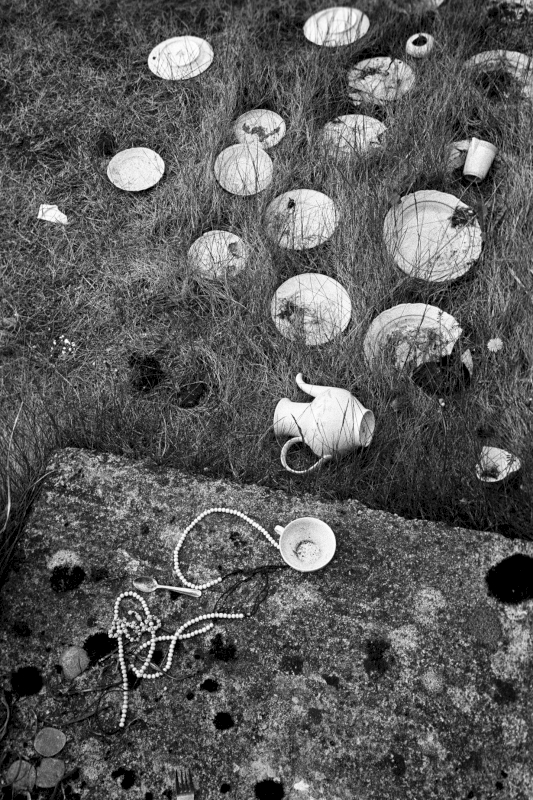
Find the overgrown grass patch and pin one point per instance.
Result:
(116, 282)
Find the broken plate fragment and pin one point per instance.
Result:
(180, 58)
(432, 236)
(380, 80)
(336, 26)
(517, 65)
(218, 254)
(51, 213)
(495, 464)
(260, 126)
(411, 334)
(243, 169)
(457, 154)
(135, 169)
(353, 132)
(311, 307)
(301, 219)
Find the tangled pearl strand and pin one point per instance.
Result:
(133, 629)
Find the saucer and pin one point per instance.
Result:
(381, 80)
(518, 65)
(243, 169)
(336, 26)
(495, 464)
(218, 254)
(136, 169)
(180, 58)
(432, 236)
(260, 126)
(312, 307)
(353, 132)
(301, 219)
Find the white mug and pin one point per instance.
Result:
(419, 45)
(479, 158)
(306, 544)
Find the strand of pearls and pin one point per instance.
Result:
(134, 628)
(188, 529)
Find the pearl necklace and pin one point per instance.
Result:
(133, 629)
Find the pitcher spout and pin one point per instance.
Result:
(310, 388)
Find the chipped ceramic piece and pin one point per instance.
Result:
(496, 464)
(218, 254)
(411, 334)
(335, 27)
(49, 773)
(420, 45)
(21, 775)
(334, 423)
(380, 80)
(432, 236)
(243, 169)
(518, 65)
(135, 169)
(353, 133)
(260, 126)
(49, 742)
(180, 58)
(457, 154)
(51, 213)
(301, 219)
(312, 307)
(306, 544)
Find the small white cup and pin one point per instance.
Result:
(479, 158)
(419, 45)
(306, 544)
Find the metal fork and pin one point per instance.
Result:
(184, 785)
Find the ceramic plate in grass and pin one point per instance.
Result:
(311, 307)
(301, 219)
(380, 80)
(433, 236)
(136, 169)
(180, 58)
(334, 27)
(517, 65)
(353, 133)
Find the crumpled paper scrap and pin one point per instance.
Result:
(51, 213)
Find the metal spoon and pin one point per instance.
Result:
(148, 584)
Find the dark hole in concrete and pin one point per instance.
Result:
(157, 657)
(376, 662)
(209, 685)
(397, 763)
(147, 372)
(225, 788)
(26, 681)
(145, 529)
(511, 581)
(99, 573)
(499, 785)
(21, 628)
(293, 664)
(65, 578)
(505, 692)
(269, 789)
(168, 794)
(221, 651)
(190, 695)
(503, 773)
(331, 680)
(99, 645)
(314, 715)
(127, 775)
(223, 721)
(149, 796)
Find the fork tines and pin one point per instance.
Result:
(184, 785)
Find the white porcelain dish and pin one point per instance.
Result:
(135, 169)
(337, 26)
(353, 133)
(180, 58)
(380, 80)
(218, 254)
(518, 65)
(243, 169)
(311, 307)
(301, 219)
(259, 126)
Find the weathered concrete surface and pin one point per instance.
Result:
(392, 673)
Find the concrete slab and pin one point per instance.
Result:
(400, 670)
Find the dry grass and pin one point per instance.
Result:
(115, 281)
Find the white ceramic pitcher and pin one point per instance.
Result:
(335, 422)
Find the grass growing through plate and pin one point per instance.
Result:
(87, 307)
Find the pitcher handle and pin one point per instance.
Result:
(285, 449)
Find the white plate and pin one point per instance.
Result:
(312, 307)
(353, 132)
(410, 334)
(495, 464)
(180, 58)
(516, 64)
(260, 126)
(336, 26)
(432, 236)
(136, 169)
(243, 169)
(301, 219)
(218, 254)
(381, 79)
